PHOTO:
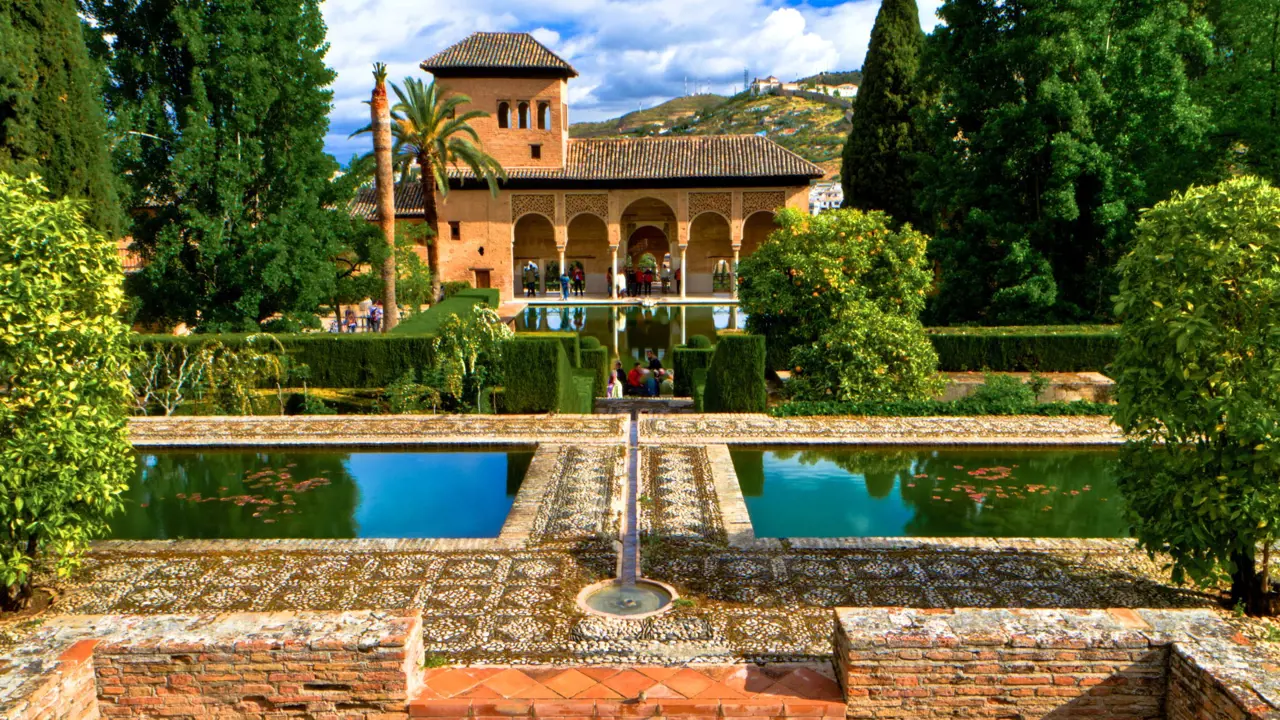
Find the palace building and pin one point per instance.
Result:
(696, 203)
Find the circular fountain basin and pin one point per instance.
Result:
(611, 598)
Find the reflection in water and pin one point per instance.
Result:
(320, 494)
(918, 492)
(631, 330)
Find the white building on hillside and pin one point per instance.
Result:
(825, 196)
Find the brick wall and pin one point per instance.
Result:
(1059, 664)
(65, 691)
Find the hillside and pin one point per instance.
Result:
(814, 130)
(650, 121)
(834, 78)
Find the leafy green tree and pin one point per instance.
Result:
(1057, 121)
(430, 137)
(838, 297)
(879, 156)
(223, 110)
(51, 120)
(63, 360)
(1198, 383)
(1243, 84)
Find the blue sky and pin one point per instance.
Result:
(629, 53)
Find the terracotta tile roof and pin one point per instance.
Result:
(645, 159)
(494, 50)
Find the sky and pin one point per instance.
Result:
(629, 54)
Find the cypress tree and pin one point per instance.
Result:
(51, 120)
(227, 106)
(877, 166)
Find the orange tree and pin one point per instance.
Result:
(1198, 384)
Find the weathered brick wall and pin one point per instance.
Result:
(66, 691)
(1059, 664)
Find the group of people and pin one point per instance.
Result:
(351, 322)
(642, 381)
(639, 282)
(574, 280)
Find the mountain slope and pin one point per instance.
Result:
(813, 130)
(649, 121)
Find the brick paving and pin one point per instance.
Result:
(807, 690)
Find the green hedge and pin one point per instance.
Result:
(685, 360)
(698, 341)
(595, 359)
(491, 296)
(428, 321)
(539, 378)
(570, 341)
(699, 390)
(585, 381)
(1066, 348)
(926, 408)
(735, 378)
(362, 360)
(453, 287)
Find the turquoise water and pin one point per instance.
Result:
(844, 492)
(628, 331)
(287, 493)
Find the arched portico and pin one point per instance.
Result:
(588, 243)
(710, 244)
(534, 241)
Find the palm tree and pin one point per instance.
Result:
(431, 136)
(384, 187)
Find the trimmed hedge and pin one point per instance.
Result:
(699, 390)
(539, 378)
(584, 385)
(428, 321)
(685, 360)
(595, 358)
(336, 360)
(1066, 348)
(491, 296)
(570, 341)
(735, 379)
(698, 341)
(926, 408)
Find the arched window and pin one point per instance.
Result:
(504, 115)
(544, 116)
(523, 110)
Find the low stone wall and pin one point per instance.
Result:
(1108, 664)
(1061, 387)
(353, 665)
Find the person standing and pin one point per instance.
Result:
(654, 363)
(678, 272)
(375, 316)
(527, 278)
(617, 379)
(666, 279)
(564, 283)
(619, 285)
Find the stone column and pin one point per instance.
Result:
(563, 269)
(613, 277)
(684, 274)
(733, 274)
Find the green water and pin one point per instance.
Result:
(628, 331)
(920, 492)
(288, 493)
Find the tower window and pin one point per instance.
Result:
(535, 152)
(455, 230)
(504, 115)
(544, 115)
(523, 111)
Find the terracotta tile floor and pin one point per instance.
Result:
(712, 691)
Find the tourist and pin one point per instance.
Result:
(666, 279)
(564, 284)
(654, 363)
(667, 388)
(529, 277)
(375, 316)
(616, 380)
(635, 380)
(619, 285)
(350, 321)
(677, 276)
(650, 383)
(648, 281)
(579, 282)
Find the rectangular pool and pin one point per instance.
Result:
(301, 493)
(922, 492)
(629, 330)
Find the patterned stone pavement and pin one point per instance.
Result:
(375, 430)
(978, 430)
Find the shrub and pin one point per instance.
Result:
(569, 340)
(1066, 348)
(735, 379)
(453, 287)
(1198, 383)
(64, 446)
(468, 355)
(537, 376)
(699, 391)
(685, 360)
(428, 321)
(491, 296)
(596, 360)
(698, 341)
(930, 408)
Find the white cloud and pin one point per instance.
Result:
(629, 53)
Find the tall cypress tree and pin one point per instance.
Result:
(878, 164)
(51, 120)
(226, 106)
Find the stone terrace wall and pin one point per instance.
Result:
(348, 665)
(1059, 664)
(65, 691)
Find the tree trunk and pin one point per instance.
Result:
(432, 220)
(384, 184)
(1246, 584)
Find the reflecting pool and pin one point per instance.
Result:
(296, 493)
(921, 492)
(629, 330)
